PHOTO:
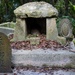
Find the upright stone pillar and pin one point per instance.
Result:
(5, 54)
(51, 29)
(20, 32)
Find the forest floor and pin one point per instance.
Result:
(40, 71)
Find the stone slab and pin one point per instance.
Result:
(5, 54)
(65, 28)
(6, 30)
(36, 10)
(39, 57)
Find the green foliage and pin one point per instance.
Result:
(74, 41)
(71, 9)
(7, 7)
(60, 5)
(6, 10)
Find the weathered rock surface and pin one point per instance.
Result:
(6, 30)
(36, 10)
(52, 33)
(5, 54)
(39, 57)
(20, 30)
(65, 28)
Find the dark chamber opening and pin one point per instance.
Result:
(36, 24)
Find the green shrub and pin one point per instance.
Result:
(74, 41)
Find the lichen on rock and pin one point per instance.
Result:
(36, 10)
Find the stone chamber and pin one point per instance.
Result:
(36, 18)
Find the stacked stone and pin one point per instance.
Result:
(37, 10)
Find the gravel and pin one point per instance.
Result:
(40, 71)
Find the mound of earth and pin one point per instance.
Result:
(43, 43)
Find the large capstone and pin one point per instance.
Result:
(36, 10)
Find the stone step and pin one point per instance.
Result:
(39, 57)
